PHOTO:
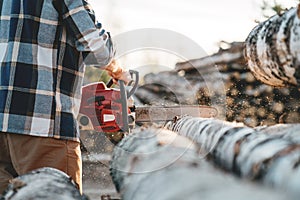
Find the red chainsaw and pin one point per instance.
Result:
(109, 110)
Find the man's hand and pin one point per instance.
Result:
(117, 72)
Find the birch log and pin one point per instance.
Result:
(273, 49)
(42, 184)
(158, 164)
(271, 155)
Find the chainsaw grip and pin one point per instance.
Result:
(124, 113)
(136, 82)
(110, 83)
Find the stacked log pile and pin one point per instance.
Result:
(267, 154)
(224, 81)
(158, 164)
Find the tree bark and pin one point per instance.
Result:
(273, 50)
(42, 184)
(158, 164)
(270, 155)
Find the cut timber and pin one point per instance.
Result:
(42, 184)
(149, 164)
(263, 154)
(273, 50)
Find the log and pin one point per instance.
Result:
(234, 54)
(173, 83)
(272, 49)
(149, 97)
(249, 153)
(145, 166)
(42, 184)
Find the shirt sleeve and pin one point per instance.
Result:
(95, 43)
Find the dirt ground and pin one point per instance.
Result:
(97, 181)
(96, 176)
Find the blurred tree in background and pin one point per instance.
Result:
(271, 8)
(93, 74)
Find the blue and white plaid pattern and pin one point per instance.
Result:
(43, 44)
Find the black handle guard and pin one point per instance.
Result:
(125, 95)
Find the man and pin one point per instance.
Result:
(43, 45)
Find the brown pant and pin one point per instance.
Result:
(20, 154)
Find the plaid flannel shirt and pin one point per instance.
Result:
(43, 45)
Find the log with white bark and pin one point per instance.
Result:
(158, 164)
(270, 155)
(273, 49)
(42, 184)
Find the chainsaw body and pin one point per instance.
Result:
(106, 109)
(111, 110)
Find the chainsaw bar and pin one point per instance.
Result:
(167, 113)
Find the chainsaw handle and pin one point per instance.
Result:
(110, 83)
(125, 95)
(123, 101)
(136, 82)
